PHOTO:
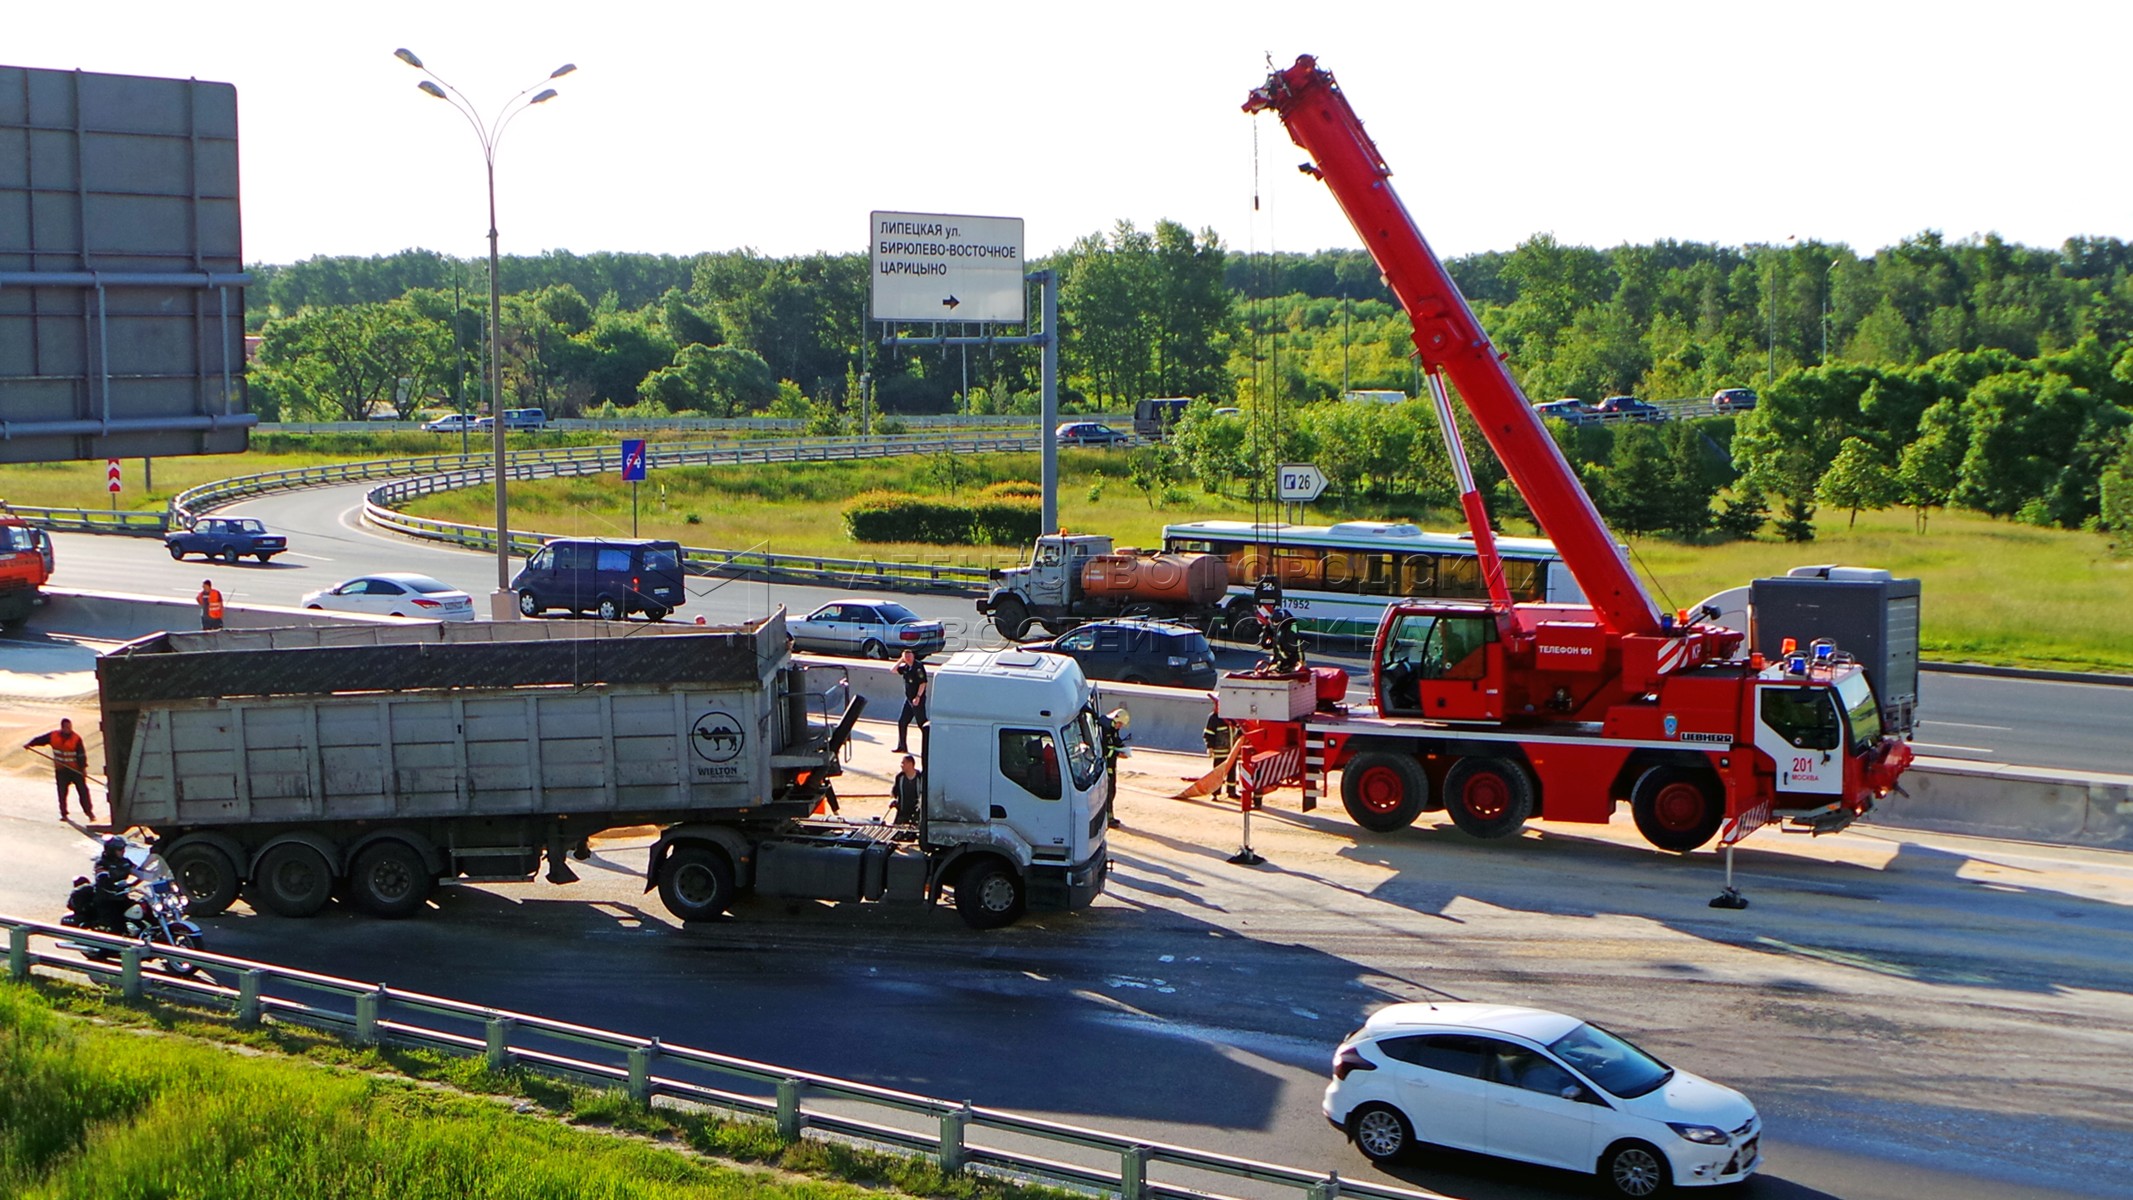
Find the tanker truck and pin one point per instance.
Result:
(1073, 578)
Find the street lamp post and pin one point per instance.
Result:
(1828, 282)
(502, 605)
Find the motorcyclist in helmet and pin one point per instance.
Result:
(114, 872)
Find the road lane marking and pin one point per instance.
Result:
(1946, 746)
(1964, 725)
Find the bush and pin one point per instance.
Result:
(880, 516)
(1012, 489)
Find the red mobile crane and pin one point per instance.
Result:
(1498, 712)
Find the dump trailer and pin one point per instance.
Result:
(379, 761)
(1073, 578)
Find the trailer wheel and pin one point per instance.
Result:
(1488, 797)
(1242, 618)
(1384, 791)
(1011, 618)
(210, 878)
(696, 884)
(389, 880)
(293, 880)
(988, 894)
(1676, 808)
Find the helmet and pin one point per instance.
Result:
(114, 847)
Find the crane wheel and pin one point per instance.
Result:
(1488, 797)
(1384, 791)
(1677, 808)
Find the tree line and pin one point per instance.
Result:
(1975, 373)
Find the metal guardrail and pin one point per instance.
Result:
(370, 1013)
(379, 510)
(700, 424)
(94, 520)
(189, 504)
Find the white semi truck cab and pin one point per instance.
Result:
(1015, 773)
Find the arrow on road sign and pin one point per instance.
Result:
(950, 302)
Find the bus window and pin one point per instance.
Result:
(1460, 578)
(1418, 575)
(1382, 577)
(1522, 576)
(1299, 567)
(1345, 571)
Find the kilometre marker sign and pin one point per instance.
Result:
(939, 267)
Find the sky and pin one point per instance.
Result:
(690, 127)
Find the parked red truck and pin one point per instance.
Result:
(25, 567)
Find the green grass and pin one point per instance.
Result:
(1994, 591)
(99, 1098)
(82, 484)
(796, 508)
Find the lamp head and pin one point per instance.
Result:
(408, 56)
(563, 70)
(431, 88)
(546, 95)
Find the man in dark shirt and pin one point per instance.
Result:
(906, 793)
(915, 683)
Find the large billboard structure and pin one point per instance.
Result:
(121, 268)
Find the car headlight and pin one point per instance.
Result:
(1705, 1134)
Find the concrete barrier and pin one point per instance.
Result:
(2080, 808)
(120, 617)
(2076, 808)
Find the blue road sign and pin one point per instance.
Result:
(633, 460)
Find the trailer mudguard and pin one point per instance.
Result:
(739, 851)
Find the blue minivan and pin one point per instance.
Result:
(610, 576)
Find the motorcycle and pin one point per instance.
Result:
(149, 904)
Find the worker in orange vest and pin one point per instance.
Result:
(70, 764)
(210, 605)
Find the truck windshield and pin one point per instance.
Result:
(1084, 750)
(1861, 709)
(17, 537)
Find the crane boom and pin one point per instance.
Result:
(1451, 341)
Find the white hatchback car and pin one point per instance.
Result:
(395, 594)
(1540, 1087)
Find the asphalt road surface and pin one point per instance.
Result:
(1914, 1015)
(2068, 725)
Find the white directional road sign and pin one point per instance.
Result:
(938, 267)
(1301, 481)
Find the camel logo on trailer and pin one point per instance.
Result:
(717, 739)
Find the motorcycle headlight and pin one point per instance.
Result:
(1703, 1134)
(135, 912)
